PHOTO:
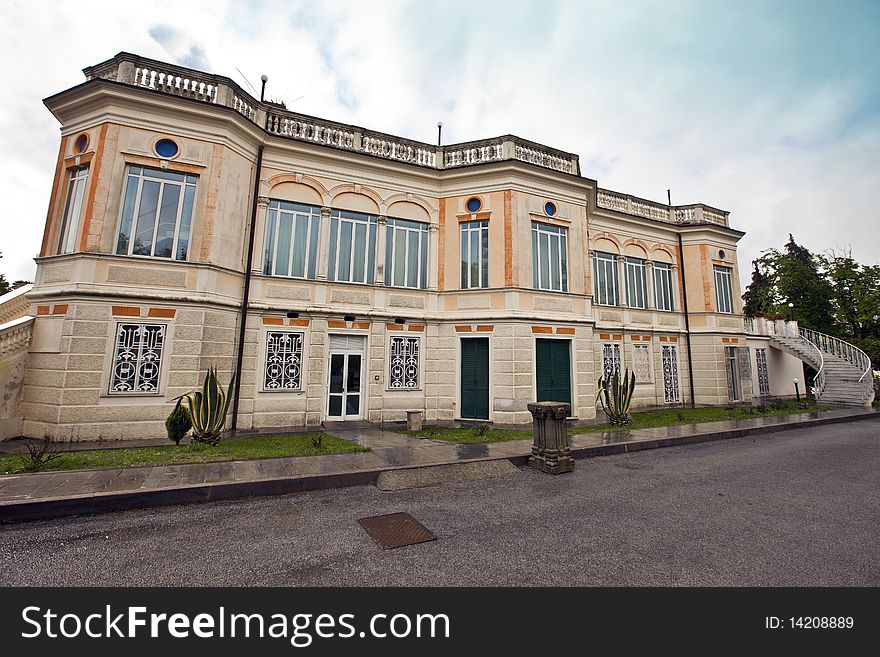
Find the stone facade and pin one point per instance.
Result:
(526, 195)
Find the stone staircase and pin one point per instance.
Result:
(844, 372)
(15, 338)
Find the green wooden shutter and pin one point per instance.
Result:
(553, 370)
(475, 378)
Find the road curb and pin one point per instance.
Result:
(93, 504)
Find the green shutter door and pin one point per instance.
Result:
(553, 366)
(475, 378)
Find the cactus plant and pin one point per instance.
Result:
(207, 408)
(616, 396)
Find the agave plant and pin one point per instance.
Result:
(616, 396)
(207, 409)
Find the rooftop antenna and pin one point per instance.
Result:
(246, 81)
(439, 131)
(264, 79)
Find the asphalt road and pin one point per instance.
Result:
(794, 508)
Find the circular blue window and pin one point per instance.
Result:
(549, 209)
(80, 144)
(721, 254)
(474, 204)
(166, 148)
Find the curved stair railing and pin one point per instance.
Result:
(846, 351)
(819, 379)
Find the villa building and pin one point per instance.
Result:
(352, 275)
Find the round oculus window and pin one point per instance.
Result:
(166, 148)
(473, 204)
(549, 209)
(721, 254)
(81, 143)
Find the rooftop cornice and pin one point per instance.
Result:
(169, 79)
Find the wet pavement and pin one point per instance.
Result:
(388, 450)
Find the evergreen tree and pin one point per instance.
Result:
(758, 296)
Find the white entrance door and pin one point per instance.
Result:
(345, 385)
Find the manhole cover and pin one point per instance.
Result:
(396, 530)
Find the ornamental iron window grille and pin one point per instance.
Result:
(669, 357)
(763, 374)
(732, 373)
(662, 286)
(474, 254)
(605, 280)
(156, 213)
(636, 283)
(403, 369)
(406, 254)
(642, 363)
(549, 257)
(283, 370)
(76, 190)
(723, 289)
(610, 360)
(291, 239)
(137, 358)
(352, 247)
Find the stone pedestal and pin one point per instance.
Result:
(551, 452)
(414, 420)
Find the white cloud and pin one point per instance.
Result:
(767, 111)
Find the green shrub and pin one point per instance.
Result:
(481, 430)
(616, 396)
(177, 424)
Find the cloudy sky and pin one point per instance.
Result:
(768, 109)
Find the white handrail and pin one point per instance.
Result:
(840, 348)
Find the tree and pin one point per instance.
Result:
(833, 293)
(758, 296)
(4, 284)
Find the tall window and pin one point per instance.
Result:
(732, 373)
(291, 239)
(137, 358)
(610, 359)
(763, 374)
(76, 191)
(284, 352)
(403, 364)
(642, 362)
(636, 285)
(605, 279)
(156, 213)
(723, 293)
(549, 257)
(669, 357)
(406, 254)
(474, 254)
(662, 286)
(352, 247)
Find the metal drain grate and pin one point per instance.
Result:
(396, 530)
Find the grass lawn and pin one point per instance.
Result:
(641, 420)
(236, 449)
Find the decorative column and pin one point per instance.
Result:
(551, 452)
(621, 279)
(433, 255)
(649, 284)
(323, 245)
(260, 235)
(381, 237)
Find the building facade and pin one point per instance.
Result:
(354, 275)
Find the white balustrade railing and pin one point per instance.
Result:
(465, 156)
(173, 83)
(842, 349)
(15, 336)
(15, 304)
(543, 158)
(687, 214)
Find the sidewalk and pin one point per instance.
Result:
(78, 492)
